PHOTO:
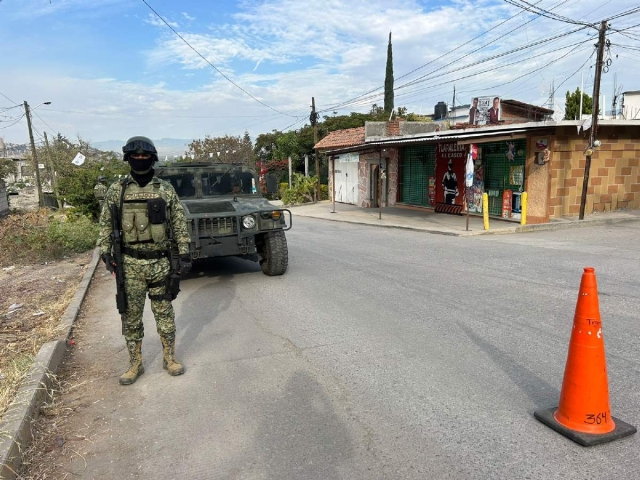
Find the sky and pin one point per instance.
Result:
(113, 69)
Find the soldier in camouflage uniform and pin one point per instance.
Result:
(100, 191)
(149, 212)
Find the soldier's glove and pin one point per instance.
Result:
(185, 264)
(109, 262)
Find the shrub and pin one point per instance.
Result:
(324, 192)
(38, 236)
(302, 189)
(73, 233)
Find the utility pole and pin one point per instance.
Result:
(33, 152)
(314, 121)
(594, 115)
(453, 104)
(54, 179)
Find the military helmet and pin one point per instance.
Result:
(102, 179)
(140, 145)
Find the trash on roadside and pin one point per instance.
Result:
(15, 307)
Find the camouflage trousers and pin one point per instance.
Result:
(138, 274)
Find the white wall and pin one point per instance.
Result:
(631, 106)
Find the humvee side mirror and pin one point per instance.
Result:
(272, 183)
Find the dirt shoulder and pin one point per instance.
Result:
(33, 300)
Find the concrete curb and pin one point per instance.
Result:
(498, 231)
(23, 411)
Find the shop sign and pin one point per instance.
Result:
(450, 171)
(349, 157)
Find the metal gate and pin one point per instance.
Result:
(346, 166)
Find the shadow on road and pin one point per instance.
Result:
(541, 394)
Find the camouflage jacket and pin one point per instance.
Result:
(175, 216)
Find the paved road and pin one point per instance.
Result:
(381, 354)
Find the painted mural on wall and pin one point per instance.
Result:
(450, 166)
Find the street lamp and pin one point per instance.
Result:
(33, 151)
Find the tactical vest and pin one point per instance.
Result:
(144, 213)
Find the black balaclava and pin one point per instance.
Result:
(141, 170)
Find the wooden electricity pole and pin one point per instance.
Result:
(314, 122)
(54, 179)
(33, 152)
(594, 115)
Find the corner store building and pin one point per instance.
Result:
(545, 159)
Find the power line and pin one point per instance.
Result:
(7, 98)
(212, 65)
(156, 115)
(52, 130)
(546, 13)
(571, 75)
(359, 99)
(441, 74)
(7, 126)
(347, 102)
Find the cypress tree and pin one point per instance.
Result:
(388, 80)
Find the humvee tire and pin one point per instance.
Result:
(274, 254)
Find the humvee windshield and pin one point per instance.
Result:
(204, 184)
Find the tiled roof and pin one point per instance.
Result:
(342, 138)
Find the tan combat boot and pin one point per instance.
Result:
(169, 362)
(135, 361)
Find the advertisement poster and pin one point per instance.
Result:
(450, 169)
(485, 111)
(476, 191)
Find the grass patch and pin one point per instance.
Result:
(40, 236)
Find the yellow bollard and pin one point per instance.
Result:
(485, 210)
(523, 206)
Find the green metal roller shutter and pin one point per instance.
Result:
(417, 164)
(499, 170)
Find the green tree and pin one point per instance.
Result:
(227, 149)
(266, 144)
(76, 182)
(572, 105)
(388, 80)
(287, 145)
(7, 167)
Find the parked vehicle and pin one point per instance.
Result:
(227, 214)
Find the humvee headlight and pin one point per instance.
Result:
(248, 222)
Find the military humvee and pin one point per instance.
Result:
(227, 214)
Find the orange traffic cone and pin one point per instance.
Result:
(584, 413)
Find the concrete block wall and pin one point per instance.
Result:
(614, 181)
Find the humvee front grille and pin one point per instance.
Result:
(208, 227)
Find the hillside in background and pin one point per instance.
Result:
(165, 146)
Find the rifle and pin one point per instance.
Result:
(116, 240)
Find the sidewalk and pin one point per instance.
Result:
(443, 224)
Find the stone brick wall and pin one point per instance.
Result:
(614, 181)
(364, 171)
